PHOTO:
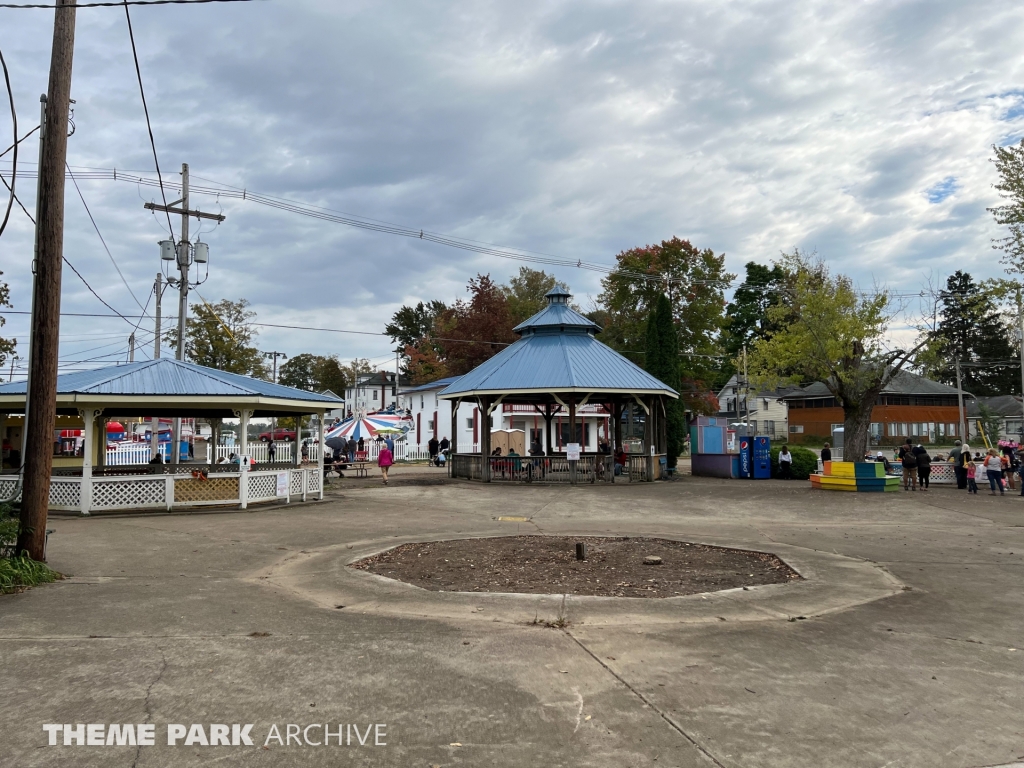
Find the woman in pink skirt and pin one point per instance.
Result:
(385, 460)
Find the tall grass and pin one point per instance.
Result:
(18, 572)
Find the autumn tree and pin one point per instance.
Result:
(477, 329)
(221, 336)
(694, 281)
(7, 346)
(525, 293)
(835, 335)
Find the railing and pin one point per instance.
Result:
(593, 468)
(260, 452)
(175, 490)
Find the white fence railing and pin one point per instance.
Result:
(167, 492)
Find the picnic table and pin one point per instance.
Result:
(360, 464)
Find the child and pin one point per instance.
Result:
(972, 474)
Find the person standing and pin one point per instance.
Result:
(924, 467)
(959, 465)
(785, 463)
(271, 451)
(444, 445)
(350, 448)
(305, 451)
(1009, 459)
(909, 462)
(826, 453)
(972, 474)
(432, 448)
(994, 470)
(384, 461)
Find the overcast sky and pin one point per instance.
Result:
(860, 129)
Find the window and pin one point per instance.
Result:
(469, 423)
(753, 427)
(421, 401)
(375, 394)
(796, 429)
(430, 425)
(769, 428)
(837, 426)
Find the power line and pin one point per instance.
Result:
(20, 140)
(124, 2)
(14, 119)
(145, 109)
(100, 235)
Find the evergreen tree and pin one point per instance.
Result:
(662, 361)
(747, 313)
(972, 329)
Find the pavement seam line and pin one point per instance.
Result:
(145, 705)
(661, 713)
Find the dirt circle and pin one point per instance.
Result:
(614, 566)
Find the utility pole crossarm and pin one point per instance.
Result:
(184, 212)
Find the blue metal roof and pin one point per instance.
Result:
(557, 315)
(557, 362)
(166, 377)
(431, 385)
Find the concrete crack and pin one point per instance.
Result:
(661, 713)
(145, 705)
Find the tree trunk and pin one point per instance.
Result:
(856, 427)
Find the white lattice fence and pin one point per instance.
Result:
(295, 482)
(9, 490)
(66, 494)
(313, 480)
(261, 487)
(133, 493)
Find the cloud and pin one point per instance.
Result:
(862, 130)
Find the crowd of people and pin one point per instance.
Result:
(1000, 467)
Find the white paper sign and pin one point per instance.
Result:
(572, 451)
(282, 484)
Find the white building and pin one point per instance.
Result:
(372, 392)
(432, 417)
(763, 411)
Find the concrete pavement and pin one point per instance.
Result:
(907, 655)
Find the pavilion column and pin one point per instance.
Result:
(89, 417)
(485, 439)
(662, 425)
(548, 416)
(321, 453)
(617, 417)
(297, 443)
(649, 446)
(572, 438)
(3, 434)
(243, 431)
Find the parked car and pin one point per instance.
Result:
(286, 435)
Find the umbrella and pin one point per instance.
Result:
(365, 427)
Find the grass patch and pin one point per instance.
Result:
(18, 572)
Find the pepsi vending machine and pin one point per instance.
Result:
(762, 458)
(745, 465)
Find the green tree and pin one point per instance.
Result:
(7, 346)
(747, 314)
(662, 361)
(696, 290)
(835, 335)
(972, 329)
(314, 373)
(410, 324)
(989, 421)
(525, 293)
(355, 369)
(1009, 162)
(221, 336)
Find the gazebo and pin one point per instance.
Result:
(166, 388)
(556, 367)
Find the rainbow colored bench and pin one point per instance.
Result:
(862, 476)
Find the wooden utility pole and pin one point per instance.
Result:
(183, 255)
(45, 332)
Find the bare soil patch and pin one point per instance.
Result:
(614, 567)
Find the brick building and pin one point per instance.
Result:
(910, 406)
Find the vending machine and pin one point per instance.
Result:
(762, 457)
(745, 456)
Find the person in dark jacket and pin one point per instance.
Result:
(924, 467)
(959, 464)
(909, 462)
(826, 453)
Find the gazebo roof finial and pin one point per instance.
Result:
(558, 295)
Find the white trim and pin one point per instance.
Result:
(558, 390)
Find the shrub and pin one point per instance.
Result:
(805, 462)
(18, 572)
